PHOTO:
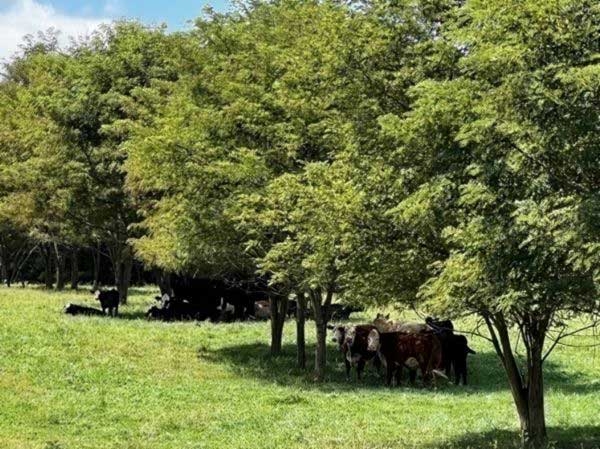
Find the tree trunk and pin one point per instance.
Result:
(278, 304)
(74, 269)
(47, 255)
(320, 316)
(123, 264)
(96, 259)
(60, 267)
(534, 435)
(163, 279)
(300, 337)
(3, 271)
(527, 390)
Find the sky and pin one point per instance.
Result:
(80, 17)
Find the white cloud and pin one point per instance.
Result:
(24, 17)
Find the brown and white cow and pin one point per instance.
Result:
(396, 348)
(352, 343)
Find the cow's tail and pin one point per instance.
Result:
(438, 373)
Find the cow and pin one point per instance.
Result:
(458, 352)
(75, 309)
(352, 343)
(173, 309)
(384, 324)
(262, 310)
(341, 311)
(109, 300)
(395, 348)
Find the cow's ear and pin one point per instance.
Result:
(387, 317)
(330, 326)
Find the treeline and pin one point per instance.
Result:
(427, 152)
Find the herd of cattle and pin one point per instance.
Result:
(431, 347)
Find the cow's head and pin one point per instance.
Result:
(382, 321)
(461, 344)
(69, 308)
(350, 336)
(339, 335)
(373, 343)
(97, 295)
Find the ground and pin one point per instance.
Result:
(102, 383)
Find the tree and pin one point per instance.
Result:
(306, 217)
(497, 182)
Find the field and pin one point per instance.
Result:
(79, 382)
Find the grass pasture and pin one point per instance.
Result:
(101, 383)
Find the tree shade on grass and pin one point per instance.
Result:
(98, 382)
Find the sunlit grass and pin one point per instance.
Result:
(93, 382)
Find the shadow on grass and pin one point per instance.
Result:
(485, 371)
(582, 437)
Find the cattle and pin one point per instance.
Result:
(455, 348)
(109, 300)
(352, 342)
(458, 352)
(75, 309)
(395, 348)
(171, 309)
(384, 324)
(262, 310)
(342, 312)
(292, 308)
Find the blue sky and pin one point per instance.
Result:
(75, 18)
(175, 12)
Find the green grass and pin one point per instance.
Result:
(80, 382)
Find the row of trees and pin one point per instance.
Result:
(419, 152)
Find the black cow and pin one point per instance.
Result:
(459, 349)
(75, 309)
(455, 348)
(109, 300)
(342, 312)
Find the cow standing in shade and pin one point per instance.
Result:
(352, 342)
(396, 348)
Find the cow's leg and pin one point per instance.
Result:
(360, 366)
(389, 374)
(425, 372)
(398, 375)
(347, 363)
(104, 310)
(412, 375)
(116, 310)
(377, 364)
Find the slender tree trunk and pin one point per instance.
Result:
(96, 258)
(47, 254)
(163, 279)
(528, 391)
(122, 259)
(74, 268)
(534, 428)
(300, 337)
(320, 311)
(3, 271)
(278, 304)
(60, 267)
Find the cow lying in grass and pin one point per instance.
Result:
(75, 309)
(396, 348)
(352, 342)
